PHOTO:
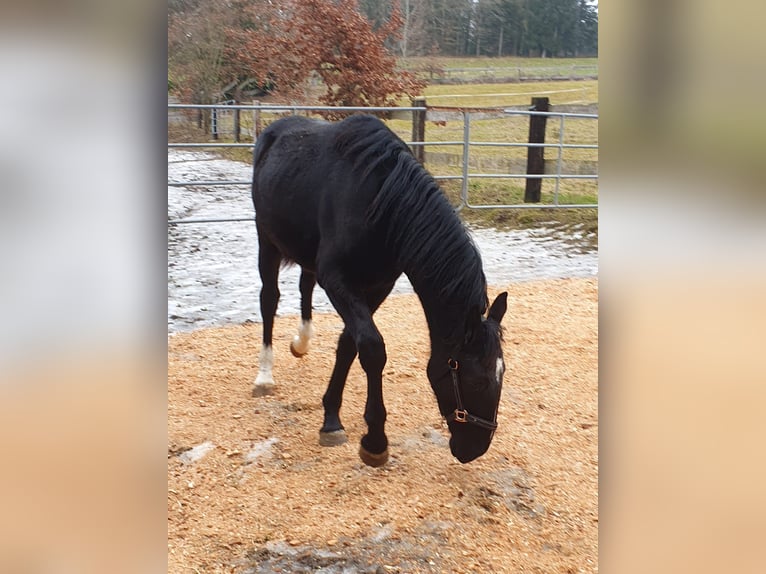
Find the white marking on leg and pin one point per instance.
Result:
(303, 338)
(266, 363)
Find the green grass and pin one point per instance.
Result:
(487, 62)
(513, 129)
(512, 94)
(461, 70)
(511, 192)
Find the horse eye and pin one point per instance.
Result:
(479, 383)
(474, 384)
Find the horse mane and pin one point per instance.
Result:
(422, 228)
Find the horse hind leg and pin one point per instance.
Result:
(269, 260)
(300, 343)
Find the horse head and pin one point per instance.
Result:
(467, 380)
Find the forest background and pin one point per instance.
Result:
(362, 52)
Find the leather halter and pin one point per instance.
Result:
(460, 415)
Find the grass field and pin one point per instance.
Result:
(487, 62)
(510, 94)
(436, 69)
(512, 129)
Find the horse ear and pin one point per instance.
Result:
(498, 308)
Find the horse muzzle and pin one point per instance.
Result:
(467, 451)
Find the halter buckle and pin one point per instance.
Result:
(461, 416)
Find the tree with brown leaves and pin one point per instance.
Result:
(235, 45)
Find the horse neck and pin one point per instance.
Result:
(446, 313)
(431, 246)
(449, 280)
(443, 321)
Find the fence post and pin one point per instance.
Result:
(466, 161)
(419, 128)
(536, 154)
(236, 122)
(214, 123)
(256, 120)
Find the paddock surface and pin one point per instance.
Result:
(250, 489)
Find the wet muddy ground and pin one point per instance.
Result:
(212, 267)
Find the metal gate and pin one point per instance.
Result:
(555, 171)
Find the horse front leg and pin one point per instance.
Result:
(373, 449)
(356, 311)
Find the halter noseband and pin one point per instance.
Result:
(460, 415)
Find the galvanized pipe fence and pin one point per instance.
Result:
(466, 143)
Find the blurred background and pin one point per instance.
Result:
(682, 277)
(83, 293)
(82, 383)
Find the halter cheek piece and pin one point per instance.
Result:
(460, 415)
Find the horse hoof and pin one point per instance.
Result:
(263, 389)
(371, 459)
(333, 438)
(295, 352)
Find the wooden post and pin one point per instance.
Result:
(206, 120)
(214, 123)
(419, 129)
(536, 155)
(236, 123)
(256, 120)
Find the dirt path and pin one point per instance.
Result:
(263, 496)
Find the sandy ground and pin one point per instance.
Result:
(250, 489)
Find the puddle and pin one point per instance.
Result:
(213, 267)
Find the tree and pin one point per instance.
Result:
(277, 46)
(261, 55)
(559, 27)
(195, 48)
(451, 25)
(489, 27)
(376, 12)
(503, 27)
(587, 36)
(340, 45)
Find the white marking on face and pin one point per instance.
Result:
(266, 363)
(499, 371)
(302, 339)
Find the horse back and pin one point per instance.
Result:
(313, 184)
(285, 193)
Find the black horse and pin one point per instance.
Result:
(351, 205)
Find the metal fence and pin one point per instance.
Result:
(469, 117)
(514, 73)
